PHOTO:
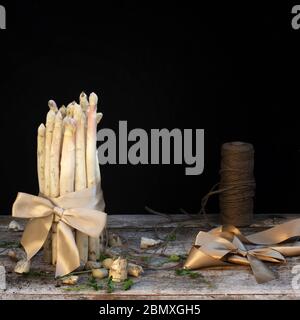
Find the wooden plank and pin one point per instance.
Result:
(233, 282)
(149, 221)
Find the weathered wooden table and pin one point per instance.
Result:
(215, 283)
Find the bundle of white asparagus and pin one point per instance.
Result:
(67, 161)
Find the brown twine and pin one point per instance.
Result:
(236, 188)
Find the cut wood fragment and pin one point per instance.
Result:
(148, 242)
(118, 270)
(12, 255)
(16, 255)
(106, 263)
(22, 266)
(15, 226)
(71, 280)
(134, 270)
(99, 273)
(114, 240)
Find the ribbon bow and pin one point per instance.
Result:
(225, 244)
(73, 210)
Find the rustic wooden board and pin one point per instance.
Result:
(217, 283)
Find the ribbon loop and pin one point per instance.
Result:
(74, 210)
(225, 244)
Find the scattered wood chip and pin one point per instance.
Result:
(106, 263)
(16, 254)
(99, 273)
(22, 266)
(114, 240)
(148, 242)
(12, 255)
(71, 280)
(15, 226)
(118, 270)
(134, 270)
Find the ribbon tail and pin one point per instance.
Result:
(35, 234)
(260, 271)
(67, 252)
(198, 259)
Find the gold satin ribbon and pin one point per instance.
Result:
(224, 245)
(73, 210)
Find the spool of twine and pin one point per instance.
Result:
(237, 184)
(236, 188)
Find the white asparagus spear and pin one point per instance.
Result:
(103, 235)
(99, 116)
(55, 156)
(91, 141)
(82, 240)
(52, 105)
(49, 132)
(94, 243)
(67, 163)
(54, 173)
(41, 156)
(80, 168)
(84, 103)
(48, 140)
(67, 172)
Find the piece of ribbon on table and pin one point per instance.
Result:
(224, 245)
(73, 210)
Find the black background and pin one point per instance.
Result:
(231, 70)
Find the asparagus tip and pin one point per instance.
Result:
(99, 116)
(93, 99)
(41, 129)
(52, 105)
